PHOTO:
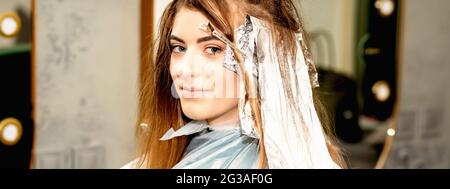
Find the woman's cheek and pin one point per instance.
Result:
(175, 69)
(225, 84)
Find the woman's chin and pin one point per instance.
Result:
(195, 109)
(196, 116)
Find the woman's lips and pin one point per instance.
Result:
(193, 89)
(192, 92)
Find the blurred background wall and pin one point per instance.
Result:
(87, 67)
(424, 115)
(337, 20)
(158, 9)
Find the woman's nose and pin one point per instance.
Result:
(190, 66)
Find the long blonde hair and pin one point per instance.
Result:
(160, 111)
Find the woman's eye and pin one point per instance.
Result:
(178, 49)
(213, 50)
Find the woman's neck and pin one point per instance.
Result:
(228, 118)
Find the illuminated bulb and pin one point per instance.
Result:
(391, 132)
(385, 7)
(381, 91)
(9, 25)
(10, 131)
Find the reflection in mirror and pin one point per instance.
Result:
(354, 45)
(16, 126)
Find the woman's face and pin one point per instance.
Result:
(206, 89)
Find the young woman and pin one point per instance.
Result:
(232, 85)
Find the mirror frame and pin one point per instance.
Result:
(390, 137)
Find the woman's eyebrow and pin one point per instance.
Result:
(200, 40)
(172, 37)
(205, 39)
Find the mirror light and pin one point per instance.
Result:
(391, 132)
(381, 91)
(10, 131)
(10, 24)
(385, 7)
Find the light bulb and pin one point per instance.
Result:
(10, 131)
(10, 24)
(381, 90)
(385, 7)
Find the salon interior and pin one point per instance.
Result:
(70, 80)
